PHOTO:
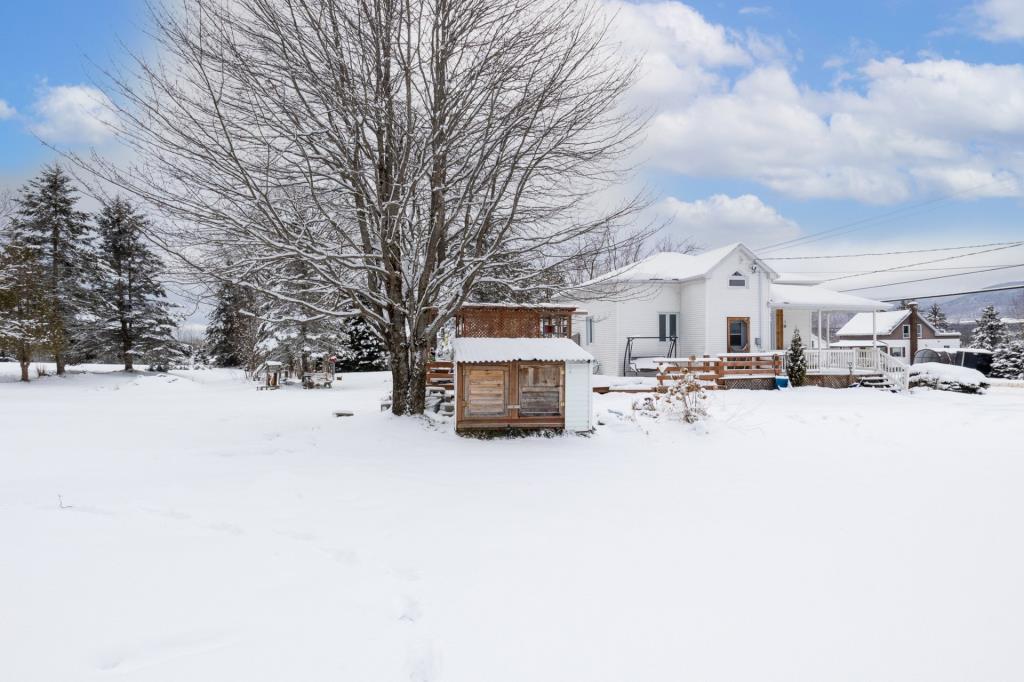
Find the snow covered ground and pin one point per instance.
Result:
(213, 532)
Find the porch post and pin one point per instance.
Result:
(820, 336)
(828, 329)
(874, 336)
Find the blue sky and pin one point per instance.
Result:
(772, 120)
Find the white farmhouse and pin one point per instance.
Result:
(726, 300)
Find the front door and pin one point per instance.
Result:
(738, 334)
(780, 330)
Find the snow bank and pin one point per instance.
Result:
(947, 377)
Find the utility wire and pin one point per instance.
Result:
(927, 262)
(929, 279)
(867, 222)
(957, 293)
(888, 253)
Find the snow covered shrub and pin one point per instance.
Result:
(684, 399)
(947, 378)
(796, 366)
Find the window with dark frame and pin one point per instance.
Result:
(739, 335)
(667, 325)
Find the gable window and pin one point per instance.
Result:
(920, 330)
(667, 323)
(906, 331)
(737, 279)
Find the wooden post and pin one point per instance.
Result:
(874, 337)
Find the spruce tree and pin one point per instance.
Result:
(991, 330)
(130, 313)
(237, 330)
(47, 221)
(1008, 360)
(936, 317)
(223, 331)
(26, 316)
(364, 351)
(796, 366)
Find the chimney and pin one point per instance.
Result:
(914, 321)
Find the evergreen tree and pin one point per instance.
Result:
(936, 317)
(364, 351)
(237, 331)
(1008, 360)
(47, 222)
(224, 331)
(990, 332)
(26, 315)
(129, 310)
(796, 366)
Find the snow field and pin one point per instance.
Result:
(215, 532)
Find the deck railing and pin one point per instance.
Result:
(716, 369)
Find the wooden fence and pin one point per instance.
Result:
(714, 372)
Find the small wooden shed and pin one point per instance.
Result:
(523, 383)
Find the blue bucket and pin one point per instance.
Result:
(781, 382)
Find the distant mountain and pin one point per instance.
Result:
(969, 306)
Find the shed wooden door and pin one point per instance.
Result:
(541, 389)
(485, 391)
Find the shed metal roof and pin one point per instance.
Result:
(477, 350)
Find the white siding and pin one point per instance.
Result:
(797, 319)
(579, 396)
(693, 309)
(605, 346)
(639, 317)
(724, 302)
(634, 313)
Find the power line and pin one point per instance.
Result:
(929, 279)
(867, 222)
(957, 293)
(928, 262)
(888, 253)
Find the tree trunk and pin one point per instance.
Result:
(24, 371)
(60, 360)
(408, 376)
(126, 347)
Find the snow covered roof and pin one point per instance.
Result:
(810, 297)
(508, 350)
(798, 278)
(520, 306)
(886, 323)
(670, 266)
(860, 324)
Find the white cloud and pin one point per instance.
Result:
(6, 110)
(888, 130)
(761, 9)
(721, 219)
(999, 20)
(72, 114)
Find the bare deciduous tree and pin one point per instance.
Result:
(403, 151)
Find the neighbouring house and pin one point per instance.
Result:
(516, 366)
(727, 300)
(900, 333)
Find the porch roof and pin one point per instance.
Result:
(802, 297)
